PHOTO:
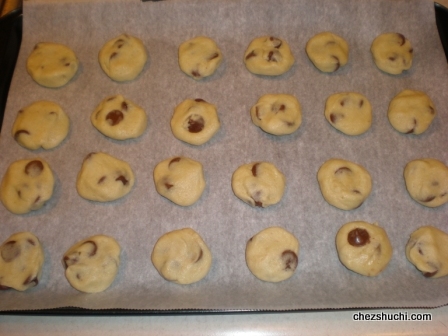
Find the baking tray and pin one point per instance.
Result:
(10, 38)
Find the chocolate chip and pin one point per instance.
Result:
(271, 57)
(91, 247)
(195, 123)
(258, 204)
(89, 156)
(124, 106)
(113, 55)
(277, 43)
(4, 287)
(402, 39)
(251, 54)
(199, 256)
(114, 117)
(431, 110)
(254, 169)
(195, 73)
(413, 128)
(34, 168)
(429, 274)
(411, 50)
(356, 191)
(290, 260)
(122, 179)
(32, 242)
(428, 199)
(176, 159)
(392, 58)
(10, 251)
(37, 199)
(338, 64)
(342, 170)
(33, 281)
(215, 55)
(358, 237)
(101, 180)
(168, 185)
(361, 103)
(256, 113)
(17, 134)
(199, 100)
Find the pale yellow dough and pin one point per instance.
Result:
(427, 181)
(344, 184)
(272, 254)
(27, 185)
(52, 64)
(180, 179)
(119, 118)
(199, 57)
(327, 51)
(104, 178)
(91, 265)
(259, 184)
(363, 248)
(392, 53)
(43, 124)
(277, 114)
(411, 112)
(21, 260)
(427, 250)
(181, 256)
(268, 55)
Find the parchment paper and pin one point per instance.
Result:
(225, 222)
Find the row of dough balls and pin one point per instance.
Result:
(124, 57)
(44, 124)
(28, 184)
(181, 256)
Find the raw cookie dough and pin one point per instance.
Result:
(41, 124)
(327, 51)
(427, 181)
(259, 184)
(21, 260)
(363, 248)
(27, 185)
(272, 254)
(51, 64)
(427, 250)
(392, 53)
(344, 184)
(104, 178)
(123, 58)
(195, 121)
(199, 57)
(180, 179)
(277, 114)
(119, 118)
(349, 112)
(181, 256)
(411, 112)
(268, 55)
(92, 264)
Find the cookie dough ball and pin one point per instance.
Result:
(104, 178)
(199, 57)
(123, 58)
(21, 260)
(51, 64)
(181, 256)
(344, 184)
(427, 250)
(392, 53)
(277, 114)
(268, 55)
(195, 121)
(272, 254)
(27, 185)
(91, 265)
(119, 118)
(363, 248)
(327, 51)
(349, 112)
(180, 179)
(427, 181)
(42, 124)
(411, 112)
(259, 184)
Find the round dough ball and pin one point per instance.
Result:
(349, 112)
(42, 124)
(363, 248)
(268, 55)
(123, 58)
(199, 57)
(411, 112)
(180, 179)
(327, 51)
(344, 184)
(392, 53)
(119, 118)
(272, 254)
(52, 64)
(91, 265)
(427, 250)
(27, 185)
(21, 260)
(195, 121)
(259, 184)
(181, 256)
(427, 181)
(104, 178)
(277, 114)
